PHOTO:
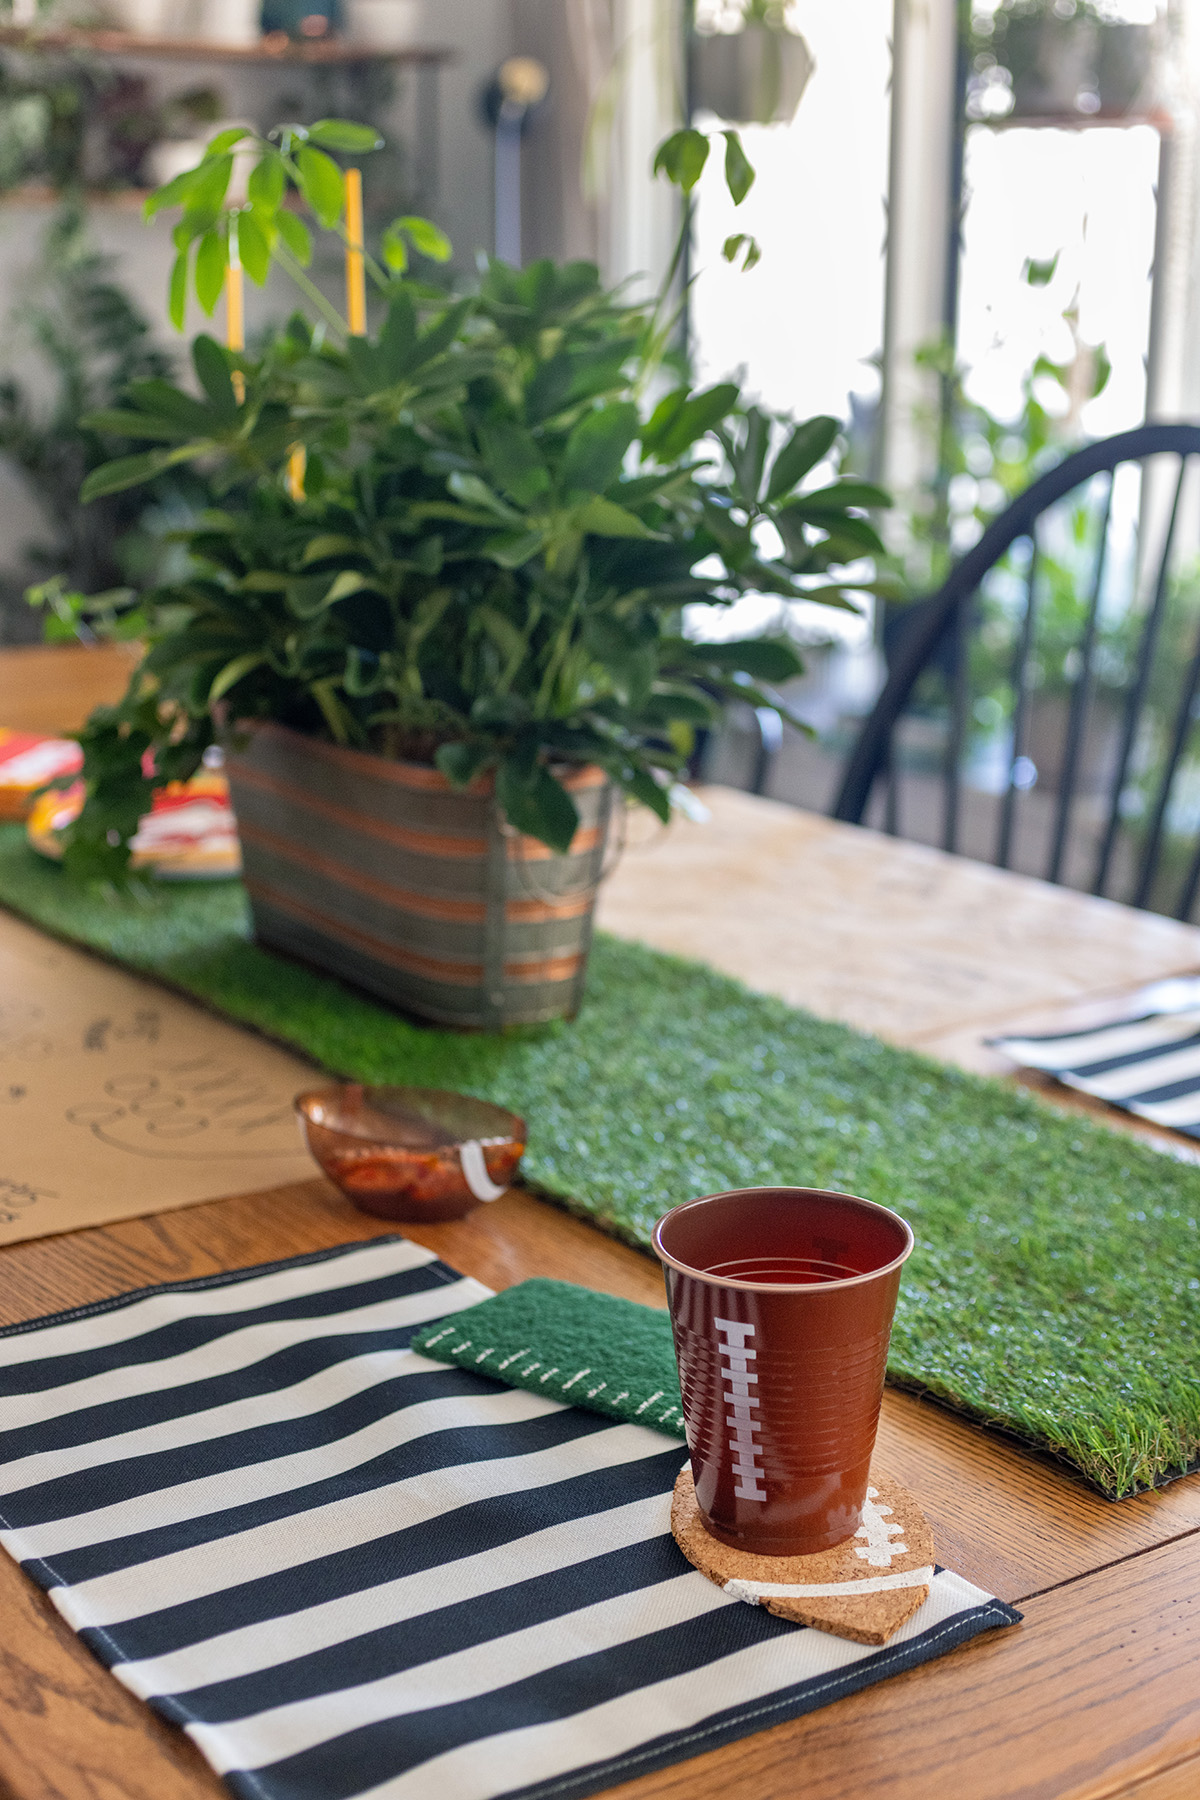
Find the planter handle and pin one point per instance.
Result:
(613, 852)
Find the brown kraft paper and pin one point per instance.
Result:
(118, 1098)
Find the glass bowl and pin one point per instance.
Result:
(411, 1153)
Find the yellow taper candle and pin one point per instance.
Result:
(356, 280)
(297, 467)
(235, 317)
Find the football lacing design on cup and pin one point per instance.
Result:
(739, 1379)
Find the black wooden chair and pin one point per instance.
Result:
(1134, 804)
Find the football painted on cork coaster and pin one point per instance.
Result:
(864, 1589)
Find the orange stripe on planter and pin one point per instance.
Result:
(425, 906)
(540, 912)
(527, 849)
(419, 776)
(459, 974)
(552, 968)
(402, 837)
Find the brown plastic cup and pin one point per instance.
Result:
(781, 1307)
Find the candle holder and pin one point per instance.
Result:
(417, 1154)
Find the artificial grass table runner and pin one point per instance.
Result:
(1055, 1288)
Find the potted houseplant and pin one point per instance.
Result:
(1062, 59)
(755, 74)
(434, 611)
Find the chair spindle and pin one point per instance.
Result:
(1081, 698)
(1136, 699)
(1020, 683)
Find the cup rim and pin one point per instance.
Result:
(784, 1287)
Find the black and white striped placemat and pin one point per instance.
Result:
(1148, 1064)
(346, 1569)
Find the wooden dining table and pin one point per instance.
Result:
(1096, 1695)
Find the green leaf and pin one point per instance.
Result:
(670, 701)
(267, 183)
(162, 400)
(233, 671)
(513, 460)
(680, 419)
(596, 448)
(296, 236)
(343, 134)
(604, 518)
(210, 270)
(398, 339)
(350, 581)
(327, 544)
(395, 249)
(211, 363)
(134, 425)
(207, 192)
(733, 247)
(548, 388)
(539, 805)
(253, 248)
(513, 549)
(225, 140)
(808, 444)
(475, 492)
(503, 633)
(1040, 274)
(461, 763)
(763, 659)
(739, 171)
(194, 223)
(441, 334)
(131, 471)
(749, 458)
(840, 494)
(681, 158)
(308, 595)
(321, 184)
(848, 539)
(425, 237)
(642, 785)
(1102, 369)
(179, 191)
(177, 290)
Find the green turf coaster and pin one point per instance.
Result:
(1055, 1288)
(552, 1337)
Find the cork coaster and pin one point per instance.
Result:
(863, 1589)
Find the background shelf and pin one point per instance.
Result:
(277, 47)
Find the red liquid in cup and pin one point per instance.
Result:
(781, 1307)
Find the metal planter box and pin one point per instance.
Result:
(382, 873)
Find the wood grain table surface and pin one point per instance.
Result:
(1096, 1696)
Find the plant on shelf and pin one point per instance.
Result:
(748, 62)
(483, 567)
(77, 342)
(1056, 58)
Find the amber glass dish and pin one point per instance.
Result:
(412, 1153)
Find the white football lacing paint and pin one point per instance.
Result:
(755, 1592)
(475, 1170)
(739, 1379)
(878, 1549)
